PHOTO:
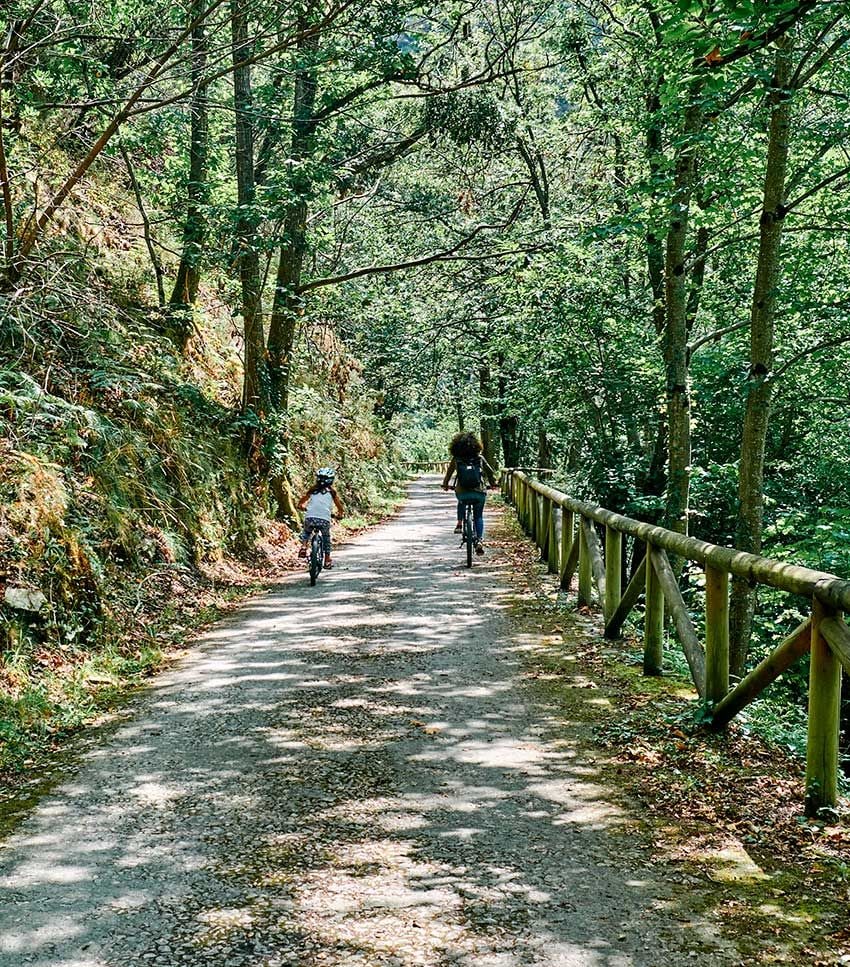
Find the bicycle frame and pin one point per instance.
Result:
(316, 560)
(468, 530)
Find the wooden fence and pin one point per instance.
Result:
(564, 530)
(441, 466)
(432, 466)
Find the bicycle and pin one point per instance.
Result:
(468, 531)
(316, 557)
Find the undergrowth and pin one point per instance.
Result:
(127, 513)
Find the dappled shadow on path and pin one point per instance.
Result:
(350, 774)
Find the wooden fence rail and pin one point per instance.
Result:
(435, 466)
(441, 466)
(565, 531)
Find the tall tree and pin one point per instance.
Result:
(255, 383)
(185, 291)
(759, 387)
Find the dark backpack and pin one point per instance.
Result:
(469, 474)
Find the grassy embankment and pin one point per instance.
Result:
(127, 517)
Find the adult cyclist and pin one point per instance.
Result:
(469, 468)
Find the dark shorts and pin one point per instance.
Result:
(310, 524)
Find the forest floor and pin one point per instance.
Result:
(409, 764)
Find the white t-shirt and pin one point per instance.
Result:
(320, 505)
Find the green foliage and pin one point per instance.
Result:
(467, 118)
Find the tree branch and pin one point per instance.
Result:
(808, 351)
(447, 255)
(757, 42)
(715, 336)
(382, 159)
(146, 224)
(835, 176)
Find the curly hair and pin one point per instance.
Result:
(464, 446)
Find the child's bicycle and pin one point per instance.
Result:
(316, 556)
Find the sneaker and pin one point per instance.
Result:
(479, 548)
(302, 551)
(328, 563)
(459, 527)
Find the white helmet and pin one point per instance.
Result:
(325, 476)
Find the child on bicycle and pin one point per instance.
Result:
(318, 503)
(469, 467)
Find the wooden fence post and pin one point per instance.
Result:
(552, 544)
(675, 605)
(585, 572)
(613, 570)
(567, 532)
(716, 634)
(653, 634)
(824, 717)
(534, 504)
(526, 507)
(545, 519)
(634, 589)
(539, 510)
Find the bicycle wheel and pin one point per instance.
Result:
(469, 532)
(316, 556)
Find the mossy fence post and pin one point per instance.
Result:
(552, 543)
(716, 634)
(568, 526)
(653, 632)
(613, 570)
(824, 717)
(585, 567)
(543, 538)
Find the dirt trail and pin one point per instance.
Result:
(355, 774)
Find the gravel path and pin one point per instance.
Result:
(355, 774)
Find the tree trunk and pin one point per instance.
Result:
(489, 423)
(288, 302)
(287, 305)
(652, 481)
(459, 414)
(508, 425)
(185, 291)
(654, 248)
(283, 326)
(544, 449)
(254, 392)
(676, 324)
(748, 527)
